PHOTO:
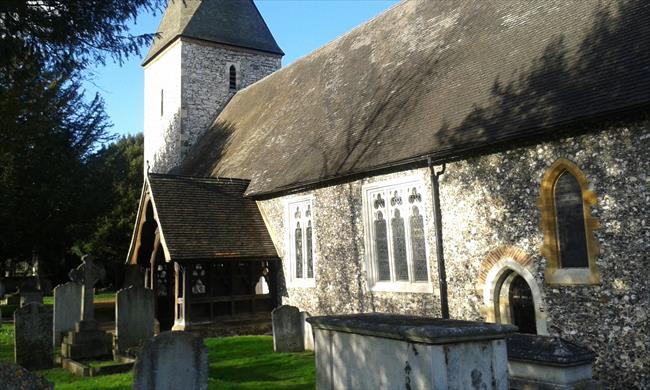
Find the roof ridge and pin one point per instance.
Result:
(207, 178)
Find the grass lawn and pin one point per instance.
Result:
(244, 362)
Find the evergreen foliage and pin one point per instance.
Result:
(55, 191)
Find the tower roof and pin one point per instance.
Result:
(231, 22)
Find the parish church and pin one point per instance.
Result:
(460, 159)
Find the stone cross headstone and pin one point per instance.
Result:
(87, 274)
(67, 310)
(170, 361)
(133, 276)
(33, 336)
(287, 329)
(29, 295)
(134, 317)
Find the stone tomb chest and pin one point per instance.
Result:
(549, 363)
(382, 351)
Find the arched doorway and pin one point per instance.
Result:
(522, 307)
(511, 294)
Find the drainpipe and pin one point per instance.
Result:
(437, 218)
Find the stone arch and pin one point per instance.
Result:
(498, 270)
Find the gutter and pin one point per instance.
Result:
(440, 255)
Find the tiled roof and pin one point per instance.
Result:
(231, 22)
(431, 78)
(206, 218)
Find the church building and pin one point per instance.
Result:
(471, 160)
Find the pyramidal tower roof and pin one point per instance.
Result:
(231, 22)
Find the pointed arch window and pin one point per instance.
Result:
(300, 250)
(395, 236)
(569, 243)
(232, 77)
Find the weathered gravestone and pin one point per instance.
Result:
(15, 377)
(67, 310)
(133, 276)
(170, 361)
(30, 295)
(287, 329)
(307, 331)
(134, 318)
(86, 341)
(33, 336)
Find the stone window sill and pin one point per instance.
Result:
(403, 287)
(302, 283)
(572, 276)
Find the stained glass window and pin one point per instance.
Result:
(572, 239)
(310, 256)
(398, 248)
(381, 247)
(418, 246)
(302, 251)
(298, 250)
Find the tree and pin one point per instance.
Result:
(79, 32)
(114, 177)
(47, 130)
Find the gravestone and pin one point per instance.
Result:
(15, 377)
(307, 331)
(134, 318)
(30, 295)
(86, 341)
(170, 361)
(33, 336)
(133, 276)
(287, 329)
(67, 310)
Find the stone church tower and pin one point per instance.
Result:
(206, 51)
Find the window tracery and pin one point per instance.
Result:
(396, 238)
(301, 251)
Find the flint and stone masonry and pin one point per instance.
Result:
(489, 203)
(186, 87)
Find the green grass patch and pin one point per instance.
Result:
(244, 362)
(248, 362)
(6, 342)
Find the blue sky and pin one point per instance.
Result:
(299, 27)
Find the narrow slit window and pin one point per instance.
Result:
(233, 77)
(162, 102)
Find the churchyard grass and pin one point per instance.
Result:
(245, 362)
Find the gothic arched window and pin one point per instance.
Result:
(396, 236)
(569, 242)
(300, 251)
(232, 74)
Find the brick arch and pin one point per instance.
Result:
(504, 251)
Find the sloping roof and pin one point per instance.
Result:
(431, 78)
(206, 218)
(232, 22)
